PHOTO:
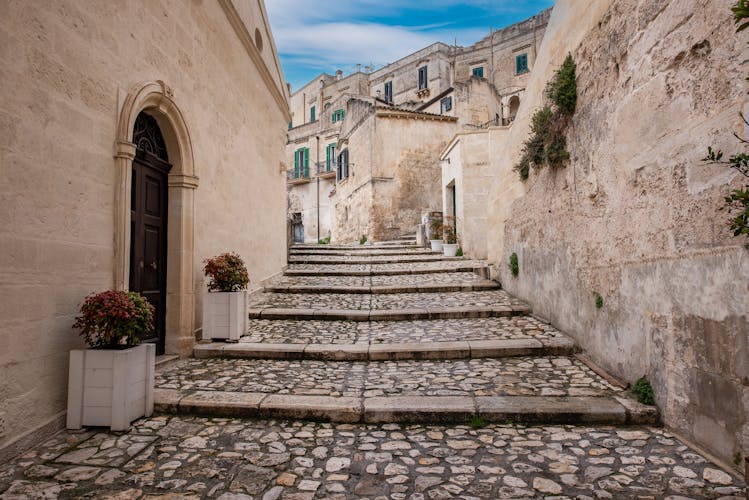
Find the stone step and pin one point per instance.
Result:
(385, 307)
(364, 252)
(423, 410)
(368, 247)
(475, 349)
(479, 267)
(393, 281)
(553, 389)
(395, 332)
(385, 289)
(375, 259)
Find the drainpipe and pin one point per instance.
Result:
(317, 173)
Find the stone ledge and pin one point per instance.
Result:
(394, 260)
(404, 409)
(419, 409)
(334, 409)
(558, 410)
(434, 350)
(500, 348)
(384, 272)
(389, 314)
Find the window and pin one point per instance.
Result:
(301, 163)
(478, 72)
(446, 104)
(521, 64)
(290, 125)
(389, 92)
(342, 171)
(312, 114)
(338, 115)
(423, 80)
(330, 157)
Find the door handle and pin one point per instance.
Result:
(140, 264)
(153, 265)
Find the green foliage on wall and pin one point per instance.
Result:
(644, 392)
(547, 144)
(599, 301)
(514, 266)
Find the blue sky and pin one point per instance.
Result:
(315, 36)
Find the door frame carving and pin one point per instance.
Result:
(157, 99)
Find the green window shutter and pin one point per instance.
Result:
(306, 162)
(327, 158)
(296, 163)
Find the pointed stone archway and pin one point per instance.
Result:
(157, 100)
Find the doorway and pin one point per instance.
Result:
(148, 222)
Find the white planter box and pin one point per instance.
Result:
(436, 245)
(110, 387)
(225, 315)
(450, 249)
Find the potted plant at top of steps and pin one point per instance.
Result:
(111, 383)
(435, 233)
(225, 304)
(450, 246)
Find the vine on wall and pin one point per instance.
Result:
(547, 144)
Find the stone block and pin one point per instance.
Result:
(551, 410)
(504, 348)
(337, 352)
(263, 351)
(328, 408)
(419, 409)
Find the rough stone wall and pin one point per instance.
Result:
(67, 66)
(636, 217)
(406, 172)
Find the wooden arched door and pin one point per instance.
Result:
(148, 216)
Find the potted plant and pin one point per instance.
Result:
(225, 304)
(435, 232)
(111, 383)
(450, 246)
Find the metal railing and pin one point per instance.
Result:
(320, 168)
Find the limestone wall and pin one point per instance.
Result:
(67, 68)
(406, 172)
(636, 217)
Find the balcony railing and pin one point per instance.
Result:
(322, 169)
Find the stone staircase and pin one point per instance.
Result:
(390, 332)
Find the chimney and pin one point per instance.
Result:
(358, 68)
(338, 74)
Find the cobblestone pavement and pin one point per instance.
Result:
(363, 301)
(522, 376)
(449, 278)
(192, 458)
(350, 332)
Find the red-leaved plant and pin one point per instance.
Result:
(114, 319)
(226, 273)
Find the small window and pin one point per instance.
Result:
(521, 64)
(342, 170)
(338, 115)
(330, 159)
(423, 79)
(478, 72)
(291, 125)
(301, 163)
(389, 92)
(312, 114)
(446, 104)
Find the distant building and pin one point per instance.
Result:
(387, 127)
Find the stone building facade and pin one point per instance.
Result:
(477, 87)
(90, 90)
(635, 216)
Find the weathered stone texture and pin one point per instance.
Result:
(636, 216)
(67, 69)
